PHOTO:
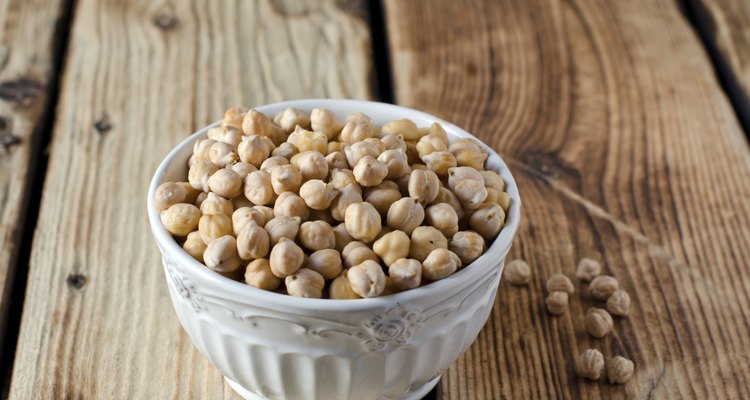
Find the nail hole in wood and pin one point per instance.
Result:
(165, 21)
(76, 281)
(102, 125)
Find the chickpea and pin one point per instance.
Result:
(194, 245)
(439, 264)
(311, 164)
(341, 288)
(405, 273)
(317, 235)
(437, 130)
(202, 196)
(367, 279)
(396, 162)
(405, 215)
(242, 169)
(286, 150)
(500, 198)
(192, 194)
(305, 283)
(471, 194)
(359, 150)
(322, 120)
(424, 240)
(291, 118)
(346, 197)
(598, 322)
(271, 163)
(241, 201)
(215, 204)
(459, 174)
(468, 246)
(446, 196)
(590, 364)
(253, 242)
(326, 262)
(291, 205)
(492, 180)
(356, 253)
(557, 303)
(169, 194)
(286, 258)
(255, 123)
(199, 173)
(603, 286)
(377, 143)
(285, 178)
(242, 216)
(214, 226)
(255, 149)
(342, 236)
(392, 246)
(341, 178)
(488, 220)
(394, 142)
(443, 217)
(382, 196)
(333, 147)
(439, 162)
(305, 140)
(362, 221)
(221, 255)
(404, 127)
(233, 117)
(619, 370)
(429, 144)
(180, 219)
(317, 194)
(201, 149)
(355, 131)
(258, 188)
(336, 160)
(227, 134)
(423, 186)
(266, 211)
(412, 155)
(258, 274)
(283, 227)
(225, 183)
(369, 171)
(468, 153)
(322, 215)
(222, 154)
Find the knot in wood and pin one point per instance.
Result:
(76, 281)
(21, 92)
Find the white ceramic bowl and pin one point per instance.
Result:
(273, 346)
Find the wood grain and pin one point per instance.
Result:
(626, 150)
(141, 76)
(723, 26)
(26, 70)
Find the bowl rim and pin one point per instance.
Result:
(465, 275)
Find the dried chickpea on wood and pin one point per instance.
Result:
(315, 204)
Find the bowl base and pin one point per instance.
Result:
(416, 394)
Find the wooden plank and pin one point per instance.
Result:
(723, 26)
(26, 70)
(626, 150)
(140, 76)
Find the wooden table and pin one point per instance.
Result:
(624, 122)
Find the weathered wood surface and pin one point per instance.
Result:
(626, 150)
(140, 76)
(26, 70)
(724, 26)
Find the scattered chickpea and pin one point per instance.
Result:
(316, 235)
(423, 186)
(517, 272)
(590, 364)
(557, 303)
(588, 269)
(194, 245)
(367, 279)
(253, 242)
(619, 303)
(424, 240)
(468, 246)
(221, 255)
(439, 264)
(322, 120)
(305, 283)
(405, 273)
(258, 274)
(405, 215)
(598, 322)
(603, 286)
(559, 282)
(283, 227)
(362, 221)
(225, 183)
(199, 173)
(488, 220)
(619, 370)
(392, 246)
(341, 288)
(291, 205)
(215, 204)
(180, 219)
(443, 217)
(286, 258)
(258, 188)
(317, 194)
(326, 262)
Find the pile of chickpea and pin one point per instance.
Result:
(312, 206)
